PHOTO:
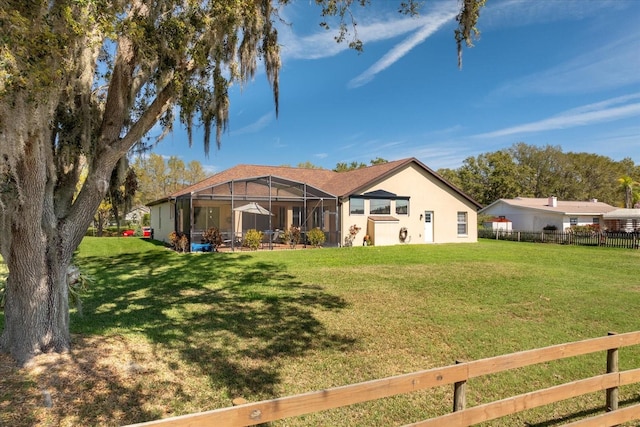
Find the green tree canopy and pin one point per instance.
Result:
(308, 165)
(628, 188)
(345, 167)
(531, 171)
(159, 177)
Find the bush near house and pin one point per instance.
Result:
(253, 239)
(316, 237)
(213, 236)
(179, 241)
(291, 236)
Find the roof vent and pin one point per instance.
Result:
(553, 201)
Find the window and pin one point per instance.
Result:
(462, 223)
(280, 219)
(356, 206)
(316, 218)
(402, 207)
(380, 207)
(573, 221)
(205, 217)
(297, 216)
(596, 220)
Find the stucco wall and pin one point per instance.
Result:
(162, 221)
(426, 194)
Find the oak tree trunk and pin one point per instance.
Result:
(36, 302)
(36, 305)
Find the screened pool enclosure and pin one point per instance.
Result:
(265, 203)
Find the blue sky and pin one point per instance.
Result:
(558, 72)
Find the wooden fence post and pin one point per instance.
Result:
(612, 366)
(459, 394)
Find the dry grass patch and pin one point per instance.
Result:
(106, 381)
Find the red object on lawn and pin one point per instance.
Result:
(128, 233)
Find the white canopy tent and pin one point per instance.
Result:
(253, 208)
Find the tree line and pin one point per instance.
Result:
(159, 177)
(531, 171)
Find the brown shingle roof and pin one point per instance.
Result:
(339, 184)
(346, 183)
(314, 177)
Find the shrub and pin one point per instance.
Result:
(213, 236)
(292, 236)
(184, 243)
(253, 239)
(316, 237)
(589, 228)
(174, 239)
(353, 230)
(179, 241)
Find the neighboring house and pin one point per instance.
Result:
(396, 202)
(627, 220)
(136, 214)
(533, 214)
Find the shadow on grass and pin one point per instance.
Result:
(230, 315)
(587, 413)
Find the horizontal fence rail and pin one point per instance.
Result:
(457, 375)
(605, 239)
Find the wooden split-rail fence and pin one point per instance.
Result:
(454, 375)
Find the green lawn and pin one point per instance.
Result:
(202, 329)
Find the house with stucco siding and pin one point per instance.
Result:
(534, 214)
(398, 202)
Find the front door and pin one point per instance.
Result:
(428, 226)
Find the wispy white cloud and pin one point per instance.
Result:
(591, 114)
(610, 66)
(519, 13)
(321, 155)
(436, 155)
(323, 45)
(256, 126)
(430, 24)
(380, 144)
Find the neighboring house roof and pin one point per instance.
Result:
(340, 184)
(562, 207)
(623, 214)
